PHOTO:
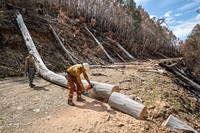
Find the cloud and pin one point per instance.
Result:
(168, 17)
(178, 14)
(184, 29)
(141, 2)
(188, 6)
(197, 17)
(168, 14)
(153, 16)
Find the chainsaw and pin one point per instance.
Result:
(89, 88)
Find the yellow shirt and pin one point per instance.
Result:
(76, 71)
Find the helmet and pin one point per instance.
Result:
(86, 66)
(31, 52)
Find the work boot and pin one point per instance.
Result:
(85, 93)
(71, 103)
(80, 99)
(31, 85)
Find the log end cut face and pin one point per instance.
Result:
(115, 89)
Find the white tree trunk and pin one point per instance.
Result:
(127, 105)
(61, 46)
(177, 125)
(120, 47)
(126, 52)
(109, 57)
(50, 76)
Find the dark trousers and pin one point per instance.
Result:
(31, 74)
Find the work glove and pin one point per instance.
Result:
(91, 85)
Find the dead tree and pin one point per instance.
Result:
(107, 55)
(62, 47)
(121, 48)
(193, 86)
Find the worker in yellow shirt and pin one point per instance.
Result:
(73, 77)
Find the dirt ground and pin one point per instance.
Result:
(45, 108)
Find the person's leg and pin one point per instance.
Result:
(31, 76)
(78, 92)
(71, 90)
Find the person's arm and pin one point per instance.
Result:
(86, 77)
(80, 82)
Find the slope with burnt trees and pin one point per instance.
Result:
(111, 22)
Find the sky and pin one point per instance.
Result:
(180, 15)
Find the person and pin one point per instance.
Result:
(73, 77)
(30, 68)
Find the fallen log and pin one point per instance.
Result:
(113, 66)
(177, 125)
(107, 55)
(121, 58)
(195, 87)
(127, 105)
(61, 46)
(108, 66)
(171, 59)
(124, 50)
(52, 77)
(128, 63)
(160, 71)
(162, 55)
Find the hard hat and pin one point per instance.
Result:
(31, 52)
(86, 66)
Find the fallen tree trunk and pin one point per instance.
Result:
(120, 47)
(50, 76)
(128, 63)
(108, 56)
(171, 59)
(108, 66)
(61, 46)
(113, 66)
(127, 105)
(177, 125)
(121, 58)
(195, 87)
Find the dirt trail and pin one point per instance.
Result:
(45, 109)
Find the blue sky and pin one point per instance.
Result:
(180, 15)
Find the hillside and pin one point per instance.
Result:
(69, 25)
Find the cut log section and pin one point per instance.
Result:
(127, 105)
(50, 76)
(103, 90)
(177, 125)
(109, 57)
